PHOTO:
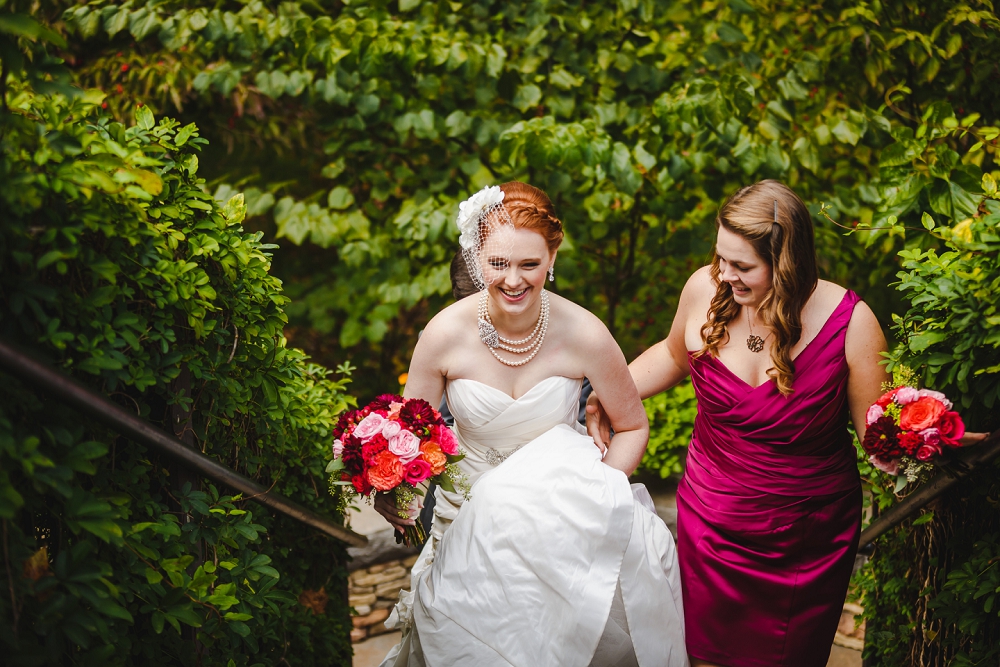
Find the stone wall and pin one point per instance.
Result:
(373, 591)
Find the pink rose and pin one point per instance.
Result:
(338, 448)
(874, 412)
(952, 428)
(928, 451)
(890, 467)
(405, 445)
(369, 426)
(445, 439)
(417, 471)
(390, 429)
(931, 436)
(906, 395)
(930, 393)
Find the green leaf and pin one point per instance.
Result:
(144, 118)
(340, 198)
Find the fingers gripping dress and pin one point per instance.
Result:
(554, 560)
(769, 510)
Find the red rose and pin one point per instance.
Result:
(386, 471)
(928, 451)
(361, 484)
(920, 414)
(951, 428)
(370, 449)
(886, 398)
(910, 442)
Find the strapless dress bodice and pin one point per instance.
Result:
(486, 417)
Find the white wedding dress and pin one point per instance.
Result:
(553, 560)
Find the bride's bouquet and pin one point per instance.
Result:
(908, 430)
(394, 445)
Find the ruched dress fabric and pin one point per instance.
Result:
(554, 560)
(769, 509)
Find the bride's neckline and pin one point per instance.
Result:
(503, 393)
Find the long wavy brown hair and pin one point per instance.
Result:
(786, 243)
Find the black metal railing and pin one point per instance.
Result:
(114, 416)
(972, 457)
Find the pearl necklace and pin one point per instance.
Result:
(492, 338)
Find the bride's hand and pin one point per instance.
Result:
(598, 424)
(385, 504)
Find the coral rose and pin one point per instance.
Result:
(386, 472)
(431, 452)
(446, 439)
(951, 428)
(417, 471)
(920, 414)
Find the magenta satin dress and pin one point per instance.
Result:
(769, 510)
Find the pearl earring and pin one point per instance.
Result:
(552, 273)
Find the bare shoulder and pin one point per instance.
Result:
(579, 326)
(863, 322)
(450, 324)
(827, 292)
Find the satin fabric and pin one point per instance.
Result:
(769, 509)
(553, 560)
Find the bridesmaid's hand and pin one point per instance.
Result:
(973, 438)
(598, 424)
(385, 504)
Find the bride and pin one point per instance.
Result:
(552, 559)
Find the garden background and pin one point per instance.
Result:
(205, 206)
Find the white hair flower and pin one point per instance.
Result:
(470, 211)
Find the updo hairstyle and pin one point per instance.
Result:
(530, 208)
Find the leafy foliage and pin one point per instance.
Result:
(119, 267)
(671, 420)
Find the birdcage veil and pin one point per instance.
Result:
(487, 235)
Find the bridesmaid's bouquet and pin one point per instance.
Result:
(394, 445)
(908, 429)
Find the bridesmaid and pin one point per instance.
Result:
(769, 509)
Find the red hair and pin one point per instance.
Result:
(530, 208)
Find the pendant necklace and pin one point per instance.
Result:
(754, 343)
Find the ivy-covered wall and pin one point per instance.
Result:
(119, 268)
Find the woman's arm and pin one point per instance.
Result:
(663, 365)
(426, 380)
(605, 366)
(863, 347)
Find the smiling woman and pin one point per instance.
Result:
(769, 509)
(489, 588)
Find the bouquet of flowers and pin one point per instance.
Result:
(908, 428)
(394, 445)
